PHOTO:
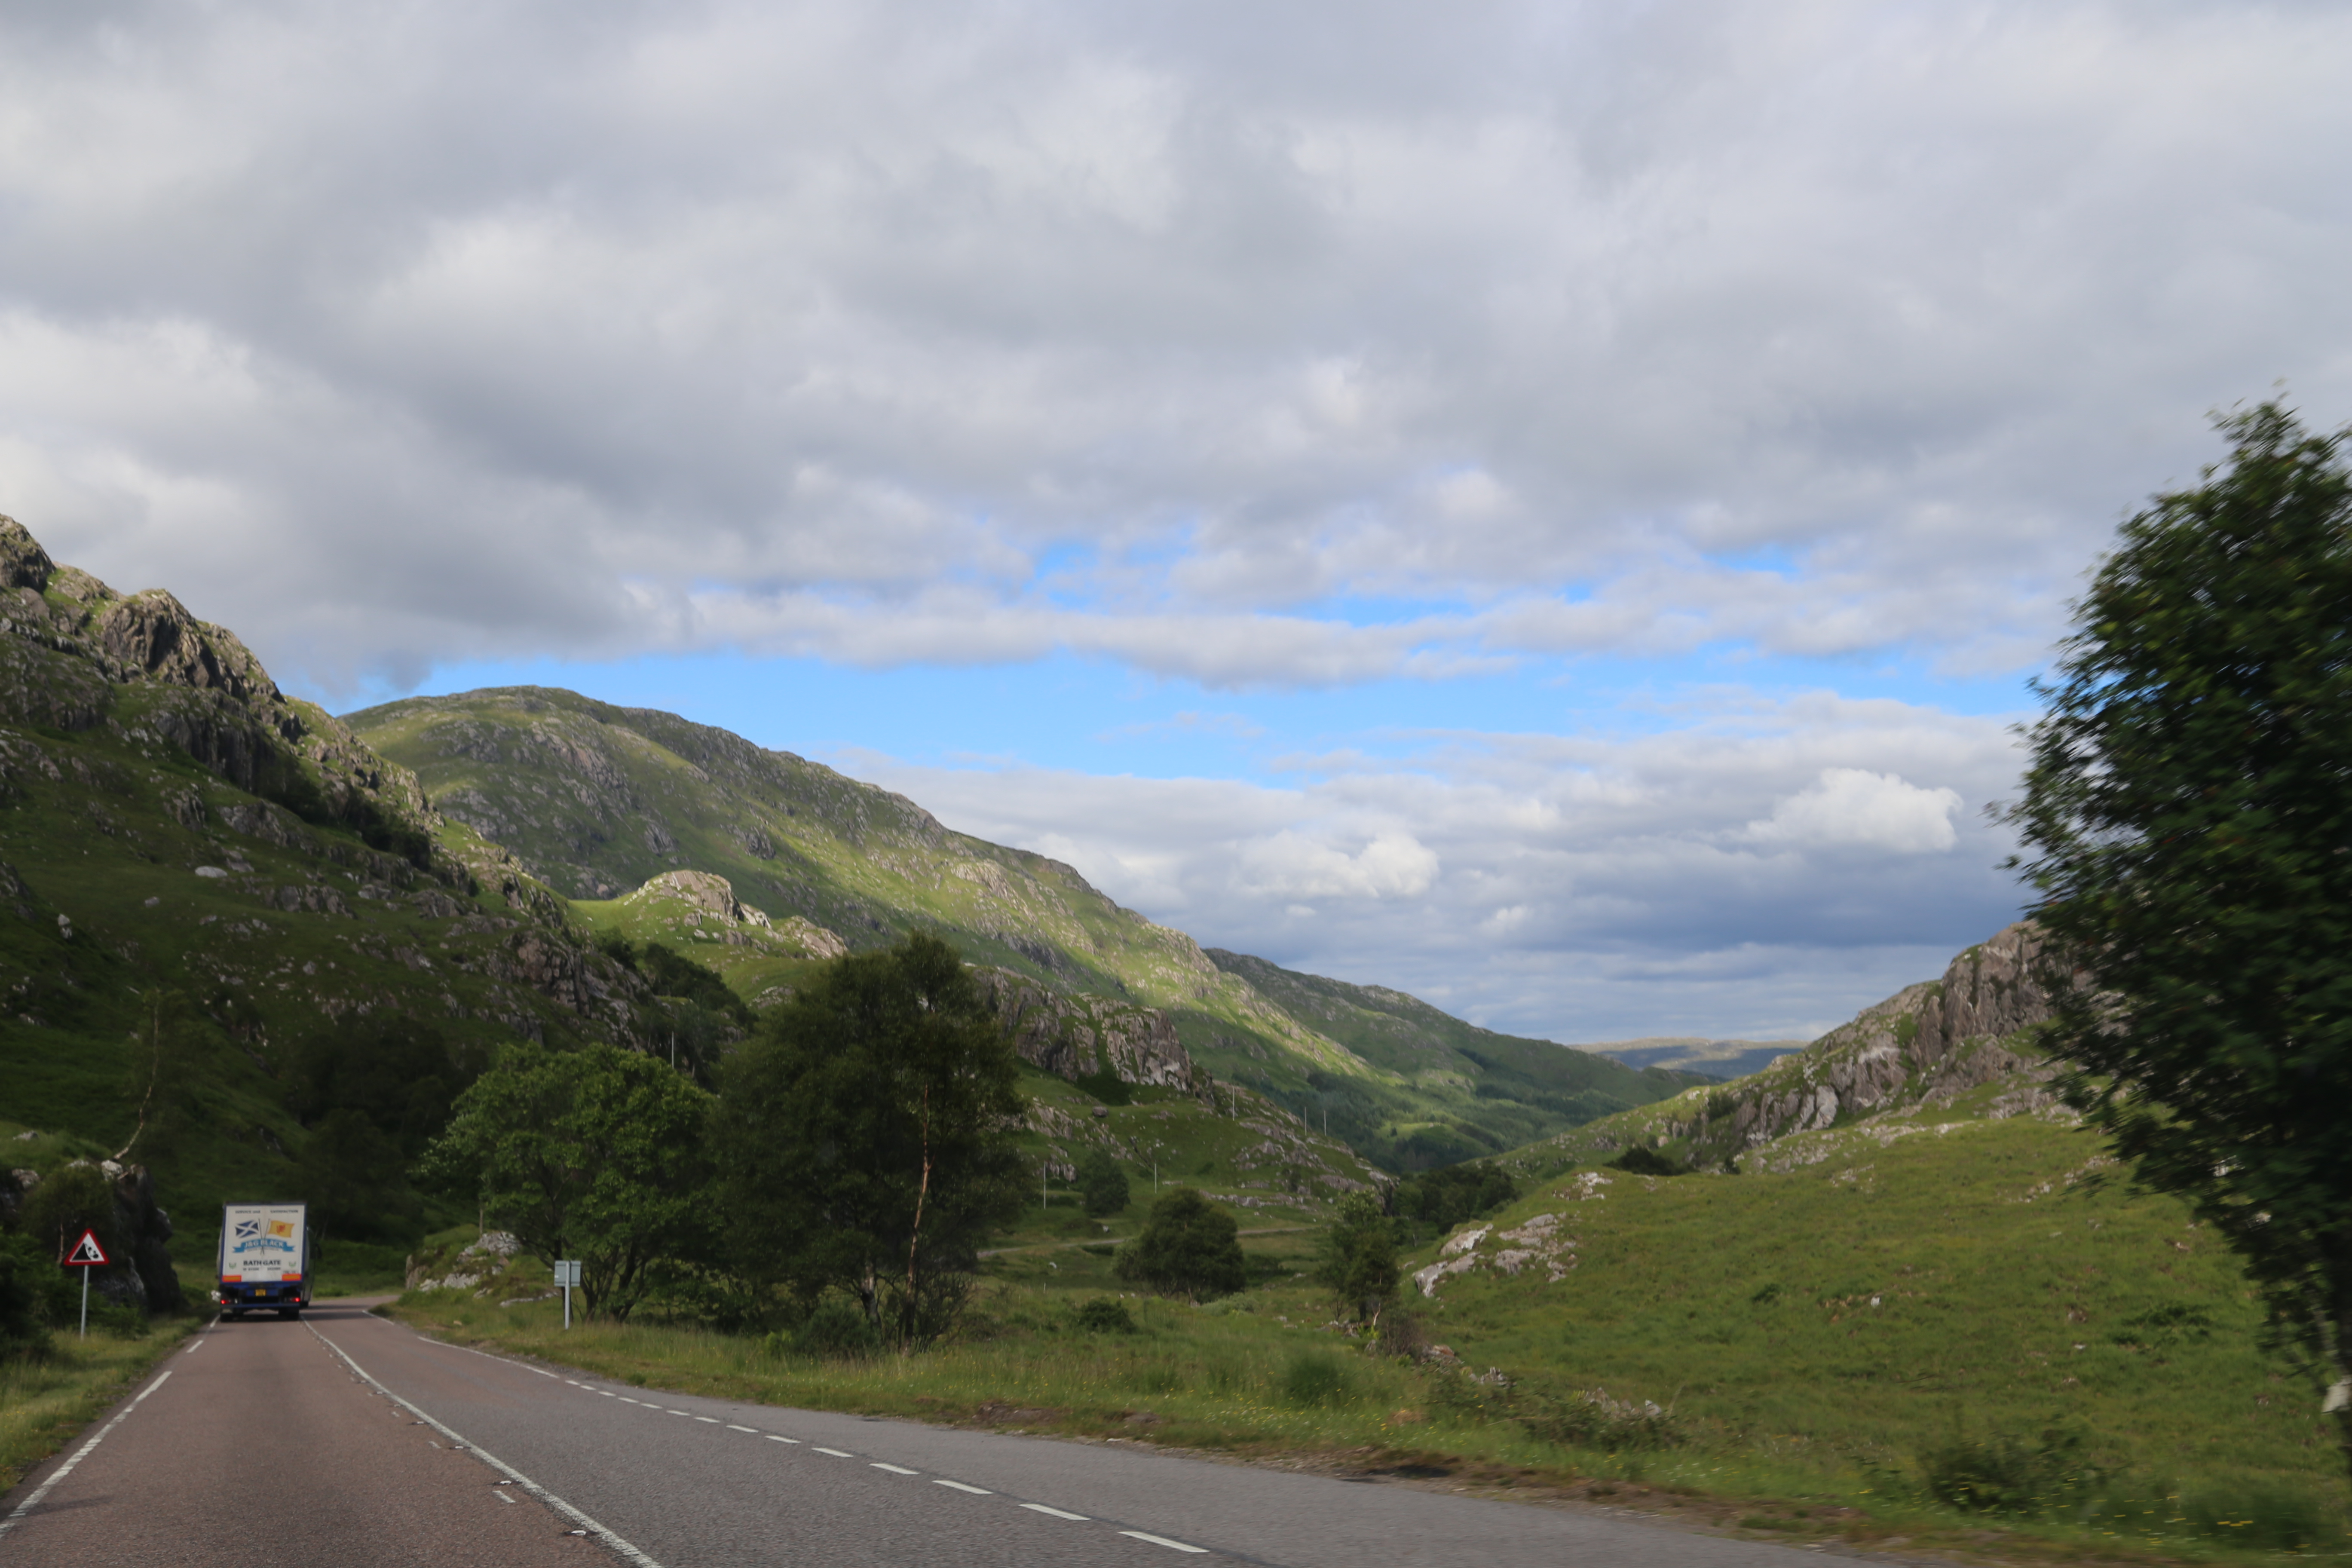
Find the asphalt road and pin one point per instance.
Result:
(347, 1440)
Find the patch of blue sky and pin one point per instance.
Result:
(1099, 717)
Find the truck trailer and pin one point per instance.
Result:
(264, 1259)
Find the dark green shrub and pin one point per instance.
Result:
(2005, 1474)
(1313, 1378)
(1189, 1247)
(1642, 1161)
(1358, 1265)
(1442, 1199)
(26, 1276)
(1108, 1087)
(836, 1328)
(1103, 1315)
(1102, 1186)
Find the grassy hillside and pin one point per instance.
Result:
(1472, 1092)
(1867, 1298)
(597, 801)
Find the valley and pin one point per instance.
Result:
(1834, 1282)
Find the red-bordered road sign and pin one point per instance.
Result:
(85, 1253)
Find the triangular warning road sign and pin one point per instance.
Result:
(85, 1253)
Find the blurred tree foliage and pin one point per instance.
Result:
(2189, 813)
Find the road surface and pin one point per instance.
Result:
(346, 1440)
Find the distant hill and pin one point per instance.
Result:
(1714, 1058)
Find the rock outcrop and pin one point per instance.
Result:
(1079, 1036)
(1937, 1039)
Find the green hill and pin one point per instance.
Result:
(612, 805)
(1899, 1265)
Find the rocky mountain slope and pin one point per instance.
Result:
(1927, 1045)
(613, 805)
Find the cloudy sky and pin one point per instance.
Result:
(1551, 507)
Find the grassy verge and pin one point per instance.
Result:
(47, 1400)
(1262, 1377)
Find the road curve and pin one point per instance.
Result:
(338, 1439)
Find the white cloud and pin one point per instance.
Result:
(1853, 807)
(1574, 886)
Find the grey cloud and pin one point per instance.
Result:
(604, 311)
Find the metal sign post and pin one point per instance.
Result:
(567, 1273)
(85, 1255)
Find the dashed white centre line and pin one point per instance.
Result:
(1057, 1513)
(626, 1400)
(896, 1470)
(836, 1453)
(1163, 1541)
(608, 1394)
(713, 1420)
(678, 1411)
(732, 1427)
(976, 1491)
(774, 1438)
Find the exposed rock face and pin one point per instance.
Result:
(709, 903)
(144, 1277)
(75, 654)
(1072, 1037)
(1940, 1038)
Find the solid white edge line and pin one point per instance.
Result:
(836, 1453)
(732, 1427)
(895, 1469)
(62, 1471)
(1057, 1513)
(976, 1491)
(774, 1438)
(1163, 1541)
(601, 1532)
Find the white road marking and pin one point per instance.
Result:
(528, 1367)
(609, 1393)
(976, 1491)
(626, 1400)
(896, 1470)
(592, 1528)
(1163, 1541)
(732, 1427)
(676, 1412)
(774, 1438)
(506, 1496)
(62, 1471)
(1057, 1513)
(836, 1453)
(712, 1419)
(577, 1384)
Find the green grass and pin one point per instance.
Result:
(47, 1400)
(1740, 1305)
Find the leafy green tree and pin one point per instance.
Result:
(401, 1074)
(355, 1179)
(2189, 809)
(865, 1137)
(595, 1153)
(1358, 1265)
(1443, 1198)
(1102, 1186)
(1187, 1247)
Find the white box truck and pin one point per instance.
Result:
(264, 1259)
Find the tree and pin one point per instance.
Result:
(355, 1181)
(2189, 806)
(1358, 1265)
(1187, 1247)
(593, 1153)
(1102, 1186)
(865, 1133)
